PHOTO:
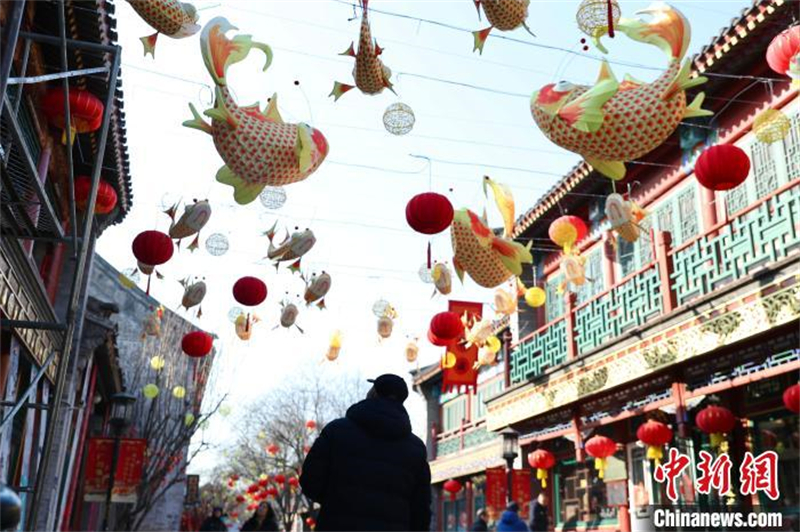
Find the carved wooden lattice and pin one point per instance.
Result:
(791, 148)
(545, 349)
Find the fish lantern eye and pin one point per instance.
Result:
(563, 86)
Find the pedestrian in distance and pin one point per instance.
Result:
(481, 523)
(214, 523)
(367, 470)
(540, 521)
(510, 520)
(263, 519)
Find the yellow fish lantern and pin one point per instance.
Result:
(442, 279)
(244, 325)
(291, 249)
(412, 351)
(335, 346)
(317, 288)
(573, 270)
(489, 260)
(505, 15)
(504, 303)
(624, 217)
(193, 295)
(171, 17)
(611, 123)
(258, 148)
(191, 222)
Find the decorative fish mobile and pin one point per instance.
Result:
(624, 217)
(489, 260)
(193, 295)
(370, 74)
(291, 249)
(258, 148)
(172, 18)
(442, 279)
(611, 122)
(505, 15)
(477, 332)
(334, 346)
(289, 314)
(412, 351)
(191, 222)
(317, 288)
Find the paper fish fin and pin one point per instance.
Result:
(200, 312)
(149, 44)
(219, 52)
(295, 266)
(478, 7)
(504, 200)
(695, 108)
(339, 89)
(668, 29)
(159, 276)
(512, 254)
(585, 113)
(271, 231)
(378, 49)
(525, 25)
(195, 243)
(197, 122)
(479, 38)
(271, 111)
(321, 304)
(351, 52)
(184, 282)
(172, 211)
(613, 169)
(389, 85)
(220, 111)
(683, 80)
(299, 329)
(243, 192)
(304, 148)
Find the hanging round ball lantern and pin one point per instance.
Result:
(197, 344)
(452, 487)
(224, 410)
(771, 125)
(716, 421)
(273, 449)
(566, 230)
(273, 198)
(217, 244)
(426, 273)
(188, 419)
(398, 119)
(722, 167)
(106, 195)
(541, 460)
(791, 398)
(655, 435)
(380, 307)
(150, 391)
(429, 213)
(280, 479)
(152, 248)
(240, 499)
(157, 363)
(593, 16)
(782, 54)
(311, 523)
(535, 296)
(86, 111)
(311, 425)
(600, 448)
(446, 327)
(179, 392)
(250, 291)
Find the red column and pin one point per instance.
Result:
(576, 430)
(709, 207)
(678, 396)
(609, 260)
(663, 242)
(572, 348)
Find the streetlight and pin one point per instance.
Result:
(121, 414)
(510, 445)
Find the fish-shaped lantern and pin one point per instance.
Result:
(487, 356)
(624, 217)
(505, 15)
(244, 325)
(477, 332)
(289, 314)
(170, 17)
(412, 350)
(291, 249)
(191, 222)
(504, 302)
(442, 279)
(334, 346)
(488, 259)
(151, 326)
(611, 122)
(317, 288)
(505, 202)
(258, 148)
(573, 269)
(385, 327)
(193, 295)
(370, 74)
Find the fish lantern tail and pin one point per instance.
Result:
(480, 37)
(512, 254)
(339, 89)
(669, 30)
(600, 466)
(219, 52)
(149, 43)
(541, 474)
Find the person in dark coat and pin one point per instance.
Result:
(367, 470)
(540, 521)
(481, 523)
(510, 520)
(262, 519)
(214, 523)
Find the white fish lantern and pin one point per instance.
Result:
(442, 278)
(191, 222)
(289, 315)
(399, 119)
(385, 326)
(504, 302)
(412, 351)
(479, 332)
(622, 216)
(193, 295)
(573, 270)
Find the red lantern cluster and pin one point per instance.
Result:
(452, 487)
(86, 110)
(783, 52)
(722, 167)
(152, 248)
(106, 195)
(311, 522)
(240, 499)
(197, 344)
(250, 291)
(655, 435)
(600, 448)
(252, 488)
(445, 328)
(791, 398)
(541, 460)
(263, 482)
(429, 213)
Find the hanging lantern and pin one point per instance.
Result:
(262, 482)
(722, 167)
(234, 313)
(311, 425)
(452, 487)
(783, 54)
(445, 327)
(398, 119)
(573, 270)
(385, 326)
(106, 195)
(655, 435)
(294, 482)
(272, 491)
(150, 391)
(197, 344)
(240, 499)
(771, 125)
(565, 231)
(791, 398)
(224, 410)
(179, 392)
(426, 273)
(273, 198)
(217, 244)
(541, 460)
(597, 17)
(273, 449)
(429, 213)
(716, 421)
(535, 297)
(188, 419)
(157, 363)
(381, 308)
(252, 488)
(152, 248)
(86, 111)
(412, 350)
(600, 448)
(250, 291)
(311, 523)
(280, 479)
(334, 346)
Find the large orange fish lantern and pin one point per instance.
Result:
(783, 54)
(624, 217)
(86, 111)
(611, 123)
(258, 148)
(191, 222)
(370, 74)
(171, 17)
(151, 249)
(504, 15)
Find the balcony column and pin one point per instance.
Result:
(609, 260)
(662, 242)
(576, 431)
(569, 316)
(678, 396)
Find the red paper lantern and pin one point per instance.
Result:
(452, 487)
(445, 327)
(783, 53)
(715, 421)
(197, 344)
(251, 507)
(311, 522)
(272, 491)
(294, 482)
(86, 110)
(263, 482)
(280, 479)
(240, 499)
(655, 435)
(722, 167)
(791, 398)
(600, 448)
(252, 488)
(250, 291)
(234, 477)
(311, 424)
(272, 449)
(152, 248)
(429, 213)
(106, 195)
(234, 515)
(541, 460)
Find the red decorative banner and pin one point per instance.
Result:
(129, 469)
(462, 373)
(521, 489)
(495, 491)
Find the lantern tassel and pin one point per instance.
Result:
(654, 452)
(541, 474)
(600, 465)
(148, 284)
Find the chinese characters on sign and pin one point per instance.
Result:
(127, 476)
(521, 489)
(756, 474)
(495, 490)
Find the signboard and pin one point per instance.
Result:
(521, 489)
(495, 491)
(127, 476)
(192, 490)
(463, 372)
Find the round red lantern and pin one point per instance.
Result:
(272, 449)
(240, 499)
(429, 213)
(280, 479)
(86, 111)
(263, 482)
(600, 448)
(445, 327)
(250, 291)
(715, 421)
(791, 398)
(294, 482)
(541, 460)
(452, 487)
(655, 435)
(566, 230)
(234, 515)
(783, 54)
(722, 167)
(272, 491)
(311, 522)
(311, 425)
(106, 195)
(252, 488)
(152, 248)
(197, 344)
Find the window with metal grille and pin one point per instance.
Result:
(644, 246)
(736, 199)
(626, 257)
(791, 148)
(687, 210)
(453, 413)
(594, 276)
(554, 305)
(484, 394)
(765, 175)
